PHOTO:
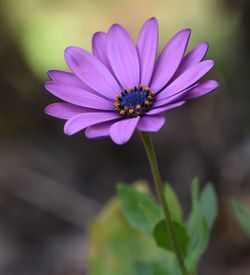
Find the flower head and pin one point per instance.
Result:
(122, 87)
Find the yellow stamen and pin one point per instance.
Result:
(138, 107)
(126, 108)
(131, 111)
(150, 97)
(147, 89)
(122, 112)
(146, 102)
(152, 93)
(141, 86)
(117, 96)
(116, 103)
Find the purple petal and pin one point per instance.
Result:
(147, 45)
(71, 79)
(174, 98)
(82, 121)
(99, 130)
(64, 110)
(151, 123)
(78, 96)
(192, 58)
(122, 131)
(186, 79)
(65, 77)
(99, 48)
(169, 60)
(163, 109)
(203, 88)
(91, 71)
(123, 57)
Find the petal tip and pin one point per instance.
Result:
(47, 110)
(50, 74)
(216, 84)
(153, 19)
(68, 52)
(115, 26)
(205, 46)
(186, 31)
(47, 84)
(210, 63)
(96, 34)
(66, 130)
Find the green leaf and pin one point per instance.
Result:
(162, 237)
(209, 204)
(242, 215)
(174, 204)
(198, 229)
(139, 208)
(116, 248)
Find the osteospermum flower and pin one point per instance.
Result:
(121, 87)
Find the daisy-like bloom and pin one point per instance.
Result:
(121, 87)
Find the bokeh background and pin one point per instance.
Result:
(51, 185)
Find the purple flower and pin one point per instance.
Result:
(122, 87)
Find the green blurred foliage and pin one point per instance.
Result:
(163, 240)
(140, 209)
(130, 234)
(200, 222)
(116, 247)
(242, 215)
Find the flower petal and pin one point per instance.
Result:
(174, 98)
(186, 79)
(66, 77)
(82, 121)
(192, 58)
(122, 131)
(151, 123)
(99, 48)
(78, 96)
(147, 45)
(165, 108)
(169, 60)
(201, 89)
(64, 110)
(91, 71)
(123, 57)
(99, 130)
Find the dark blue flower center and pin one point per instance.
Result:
(135, 102)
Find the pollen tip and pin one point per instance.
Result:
(131, 111)
(122, 112)
(147, 89)
(146, 102)
(138, 106)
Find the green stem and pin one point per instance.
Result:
(147, 141)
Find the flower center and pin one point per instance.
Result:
(135, 102)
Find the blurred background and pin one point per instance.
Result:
(52, 186)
